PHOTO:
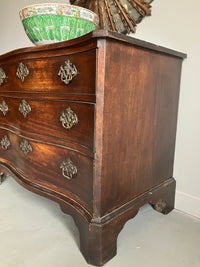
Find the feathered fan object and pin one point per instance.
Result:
(117, 15)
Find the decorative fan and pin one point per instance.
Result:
(117, 15)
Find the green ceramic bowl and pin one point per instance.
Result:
(51, 23)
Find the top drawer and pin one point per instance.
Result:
(69, 74)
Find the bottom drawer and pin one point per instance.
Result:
(52, 165)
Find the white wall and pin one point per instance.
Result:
(173, 24)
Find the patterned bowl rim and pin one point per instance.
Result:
(95, 18)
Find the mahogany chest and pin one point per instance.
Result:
(91, 123)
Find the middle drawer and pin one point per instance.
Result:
(68, 120)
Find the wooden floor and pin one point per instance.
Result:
(34, 232)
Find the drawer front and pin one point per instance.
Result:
(54, 167)
(67, 120)
(70, 74)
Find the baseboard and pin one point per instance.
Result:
(187, 203)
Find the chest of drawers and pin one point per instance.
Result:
(91, 123)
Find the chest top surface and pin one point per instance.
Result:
(90, 37)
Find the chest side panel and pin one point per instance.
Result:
(139, 127)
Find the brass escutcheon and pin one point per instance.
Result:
(22, 71)
(68, 169)
(24, 108)
(2, 76)
(4, 108)
(26, 147)
(5, 143)
(67, 72)
(68, 118)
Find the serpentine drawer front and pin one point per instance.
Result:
(70, 120)
(66, 170)
(91, 124)
(51, 74)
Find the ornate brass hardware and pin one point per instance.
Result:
(68, 118)
(4, 108)
(67, 72)
(24, 108)
(5, 143)
(25, 147)
(2, 76)
(22, 71)
(68, 169)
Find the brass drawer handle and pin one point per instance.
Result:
(4, 108)
(68, 118)
(5, 143)
(26, 147)
(67, 72)
(2, 76)
(68, 169)
(24, 108)
(22, 71)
